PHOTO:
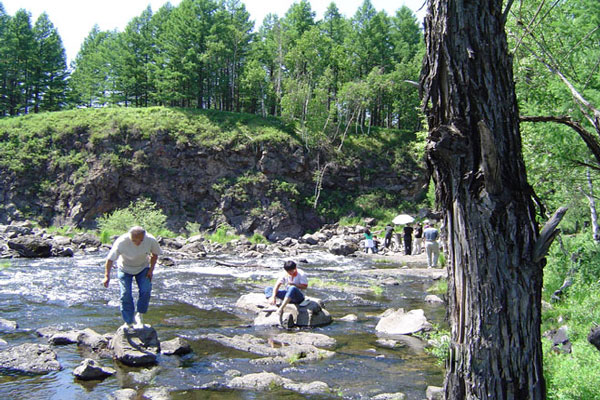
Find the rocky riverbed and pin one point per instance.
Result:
(47, 304)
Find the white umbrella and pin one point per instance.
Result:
(403, 219)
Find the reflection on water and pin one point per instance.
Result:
(196, 298)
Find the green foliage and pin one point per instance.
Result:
(572, 376)
(223, 234)
(142, 212)
(294, 358)
(257, 238)
(377, 290)
(4, 264)
(192, 228)
(439, 287)
(63, 230)
(442, 259)
(438, 339)
(105, 237)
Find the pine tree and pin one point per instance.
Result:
(20, 46)
(50, 67)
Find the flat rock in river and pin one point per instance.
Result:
(29, 358)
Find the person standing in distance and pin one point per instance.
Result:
(135, 253)
(432, 247)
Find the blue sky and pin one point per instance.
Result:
(75, 18)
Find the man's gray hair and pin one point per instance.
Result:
(137, 230)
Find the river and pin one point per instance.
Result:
(194, 298)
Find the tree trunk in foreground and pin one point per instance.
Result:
(474, 154)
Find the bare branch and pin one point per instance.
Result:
(548, 234)
(506, 11)
(590, 140)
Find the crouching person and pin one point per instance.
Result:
(288, 287)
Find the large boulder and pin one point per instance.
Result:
(310, 313)
(29, 358)
(341, 246)
(398, 322)
(136, 347)
(31, 246)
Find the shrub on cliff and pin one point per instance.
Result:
(143, 212)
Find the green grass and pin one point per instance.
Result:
(223, 235)
(377, 290)
(439, 287)
(4, 264)
(572, 376)
(257, 238)
(320, 283)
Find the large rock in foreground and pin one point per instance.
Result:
(309, 314)
(403, 323)
(29, 358)
(136, 347)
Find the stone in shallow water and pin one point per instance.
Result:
(266, 380)
(8, 326)
(136, 347)
(90, 370)
(29, 358)
(349, 318)
(177, 346)
(402, 323)
(310, 314)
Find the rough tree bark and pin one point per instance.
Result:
(496, 251)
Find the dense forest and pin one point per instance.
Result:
(207, 54)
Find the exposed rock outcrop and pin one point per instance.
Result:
(254, 185)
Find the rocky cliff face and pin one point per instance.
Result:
(254, 187)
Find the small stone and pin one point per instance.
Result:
(90, 370)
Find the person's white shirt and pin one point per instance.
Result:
(299, 279)
(130, 258)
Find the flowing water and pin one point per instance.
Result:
(195, 298)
